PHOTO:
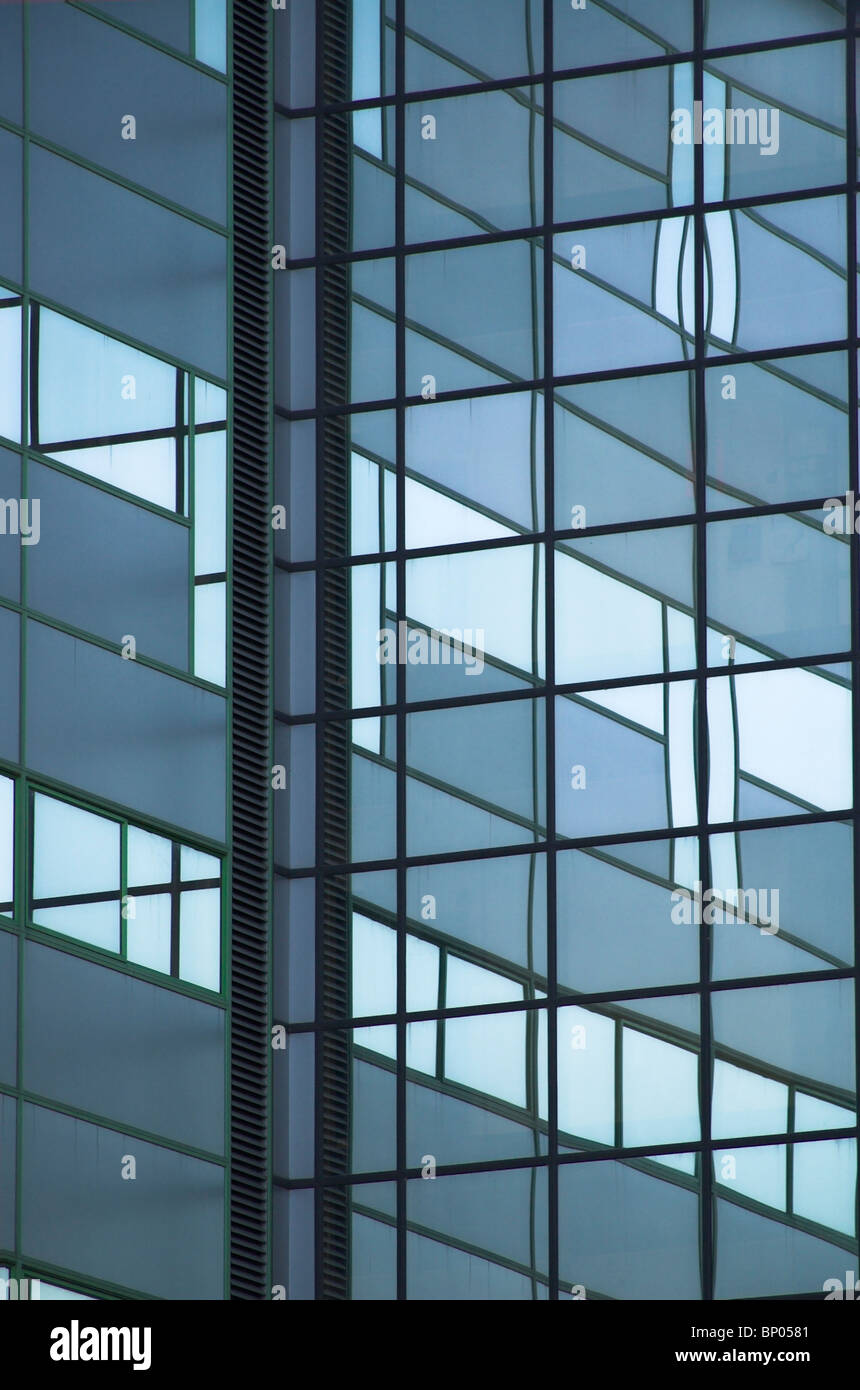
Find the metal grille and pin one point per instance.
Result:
(250, 1056)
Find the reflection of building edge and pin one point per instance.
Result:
(333, 795)
(252, 533)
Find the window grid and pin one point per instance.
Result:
(697, 366)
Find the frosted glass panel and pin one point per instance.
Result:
(200, 938)
(149, 858)
(74, 851)
(148, 931)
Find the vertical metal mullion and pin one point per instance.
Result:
(706, 1214)
(179, 440)
(190, 510)
(400, 568)
(174, 909)
(550, 696)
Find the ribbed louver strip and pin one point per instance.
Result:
(250, 1056)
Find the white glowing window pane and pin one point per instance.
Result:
(210, 632)
(681, 633)
(422, 993)
(148, 932)
(149, 858)
(825, 1179)
(786, 718)
(422, 975)
(210, 33)
(746, 1103)
(10, 372)
(421, 1046)
(681, 154)
(7, 840)
(724, 865)
(194, 864)
(374, 967)
(485, 596)
(146, 468)
(641, 703)
(682, 1163)
(91, 385)
(670, 239)
(432, 518)
(210, 503)
(722, 257)
(812, 1113)
(95, 923)
(389, 506)
(364, 506)
(714, 96)
(200, 937)
(543, 1063)
(757, 1172)
(486, 1052)
(661, 1091)
(366, 645)
(381, 1038)
(605, 628)
(74, 851)
(682, 772)
(210, 402)
(366, 80)
(721, 733)
(586, 1074)
(54, 1293)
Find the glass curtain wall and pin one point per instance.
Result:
(567, 645)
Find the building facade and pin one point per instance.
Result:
(115, 320)
(429, 614)
(565, 357)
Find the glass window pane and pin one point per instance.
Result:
(55, 1293)
(210, 632)
(194, 864)
(149, 858)
(148, 931)
(10, 376)
(622, 296)
(777, 431)
(611, 152)
(95, 923)
(200, 938)
(74, 851)
(453, 187)
(467, 331)
(627, 1233)
(7, 844)
(211, 33)
(486, 1052)
(449, 43)
(210, 503)
(92, 385)
(210, 402)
